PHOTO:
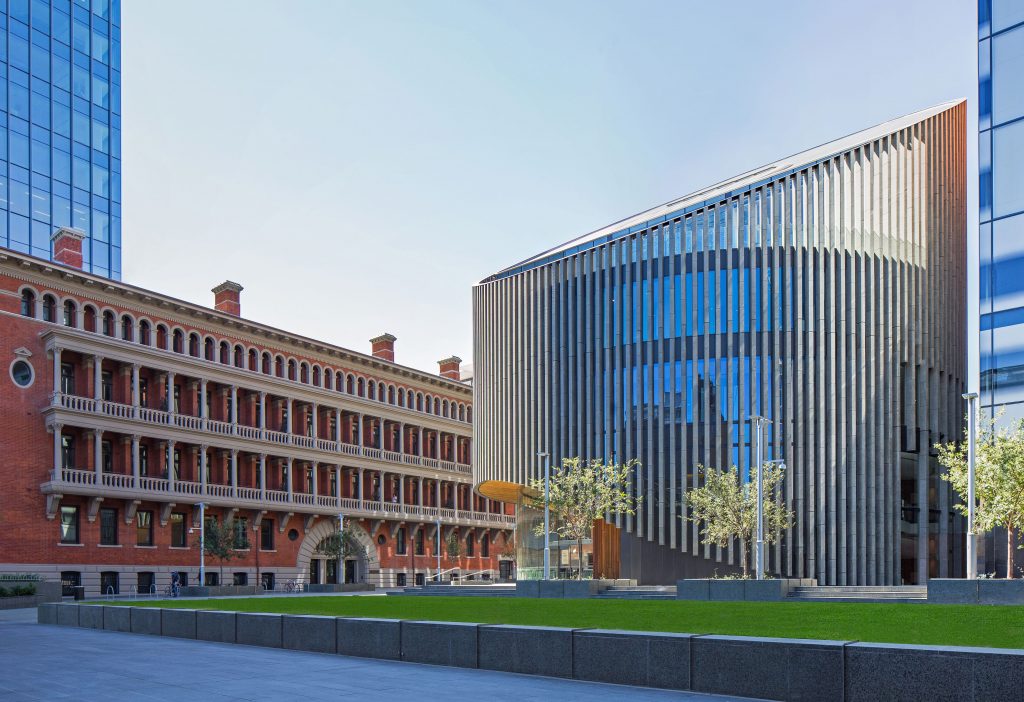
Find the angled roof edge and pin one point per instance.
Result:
(762, 173)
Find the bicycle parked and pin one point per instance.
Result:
(292, 586)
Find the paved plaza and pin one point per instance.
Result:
(40, 662)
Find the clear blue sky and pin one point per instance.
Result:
(358, 166)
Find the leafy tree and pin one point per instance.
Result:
(220, 540)
(581, 492)
(453, 547)
(998, 478)
(339, 545)
(725, 508)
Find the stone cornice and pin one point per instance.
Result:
(143, 302)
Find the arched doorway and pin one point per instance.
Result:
(314, 567)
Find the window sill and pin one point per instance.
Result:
(144, 546)
(61, 543)
(268, 550)
(179, 548)
(108, 545)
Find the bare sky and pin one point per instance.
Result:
(358, 166)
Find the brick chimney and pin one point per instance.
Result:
(449, 368)
(383, 346)
(227, 298)
(67, 246)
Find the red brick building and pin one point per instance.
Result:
(124, 410)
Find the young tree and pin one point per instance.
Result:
(998, 478)
(581, 492)
(338, 546)
(453, 547)
(221, 539)
(726, 508)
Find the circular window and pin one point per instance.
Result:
(382, 539)
(293, 534)
(21, 373)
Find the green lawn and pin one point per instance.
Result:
(955, 625)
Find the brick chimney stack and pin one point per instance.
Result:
(227, 298)
(383, 347)
(67, 246)
(449, 368)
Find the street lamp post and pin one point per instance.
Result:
(972, 404)
(439, 549)
(202, 544)
(543, 456)
(340, 574)
(757, 423)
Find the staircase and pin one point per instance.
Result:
(638, 592)
(446, 590)
(906, 594)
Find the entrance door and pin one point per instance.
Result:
(350, 571)
(332, 572)
(314, 571)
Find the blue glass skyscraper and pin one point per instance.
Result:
(60, 115)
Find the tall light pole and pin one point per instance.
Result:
(438, 549)
(202, 544)
(340, 575)
(757, 425)
(972, 417)
(543, 456)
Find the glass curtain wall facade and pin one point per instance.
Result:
(1001, 224)
(60, 155)
(825, 292)
(1001, 200)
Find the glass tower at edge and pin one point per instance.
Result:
(60, 116)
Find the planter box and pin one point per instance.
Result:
(894, 673)
(215, 626)
(440, 643)
(145, 620)
(310, 633)
(46, 613)
(91, 616)
(533, 650)
(952, 591)
(632, 658)
(370, 638)
(723, 590)
(258, 629)
(776, 669)
(180, 623)
(570, 589)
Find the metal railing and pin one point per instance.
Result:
(220, 428)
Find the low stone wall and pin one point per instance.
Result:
(986, 591)
(736, 590)
(789, 670)
(566, 589)
(46, 591)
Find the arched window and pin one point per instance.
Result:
(419, 401)
(304, 373)
(391, 394)
(108, 323)
(254, 360)
(208, 349)
(144, 333)
(360, 388)
(437, 406)
(350, 385)
(70, 314)
(469, 415)
(316, 376)
(178, 341)
(401, 397)
(161, 337)
(127, 328)
(49, 308)
(371, 390)
(225, 353)
(462, 413)
(193, 345)
(291, 369)
(279, 367)
(239, 356)
(267, 363)
(328, 379)
(28, 303)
